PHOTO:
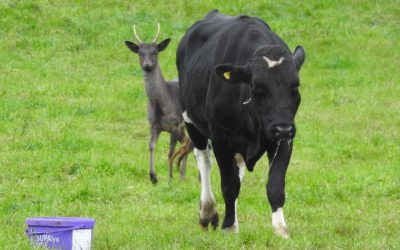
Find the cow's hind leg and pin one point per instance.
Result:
(279, 157)
(202, 152)
(208, 205)
(241, 165)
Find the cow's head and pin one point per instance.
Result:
(147, 51)
(273, 78)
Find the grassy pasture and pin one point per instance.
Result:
(73, 132)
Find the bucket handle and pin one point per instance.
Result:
(56, 231)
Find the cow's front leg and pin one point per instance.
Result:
(230, 183)
(279, 156)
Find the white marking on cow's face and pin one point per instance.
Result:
(186, 118)
(241, 165)
(272, 63)
(279, 224)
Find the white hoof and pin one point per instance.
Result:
(282, 232)
(279, 224)
(208, 215)
(232, 229)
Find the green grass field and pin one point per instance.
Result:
(73, 128)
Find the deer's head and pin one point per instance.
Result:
(147, 51)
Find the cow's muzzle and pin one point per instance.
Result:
(282, 131)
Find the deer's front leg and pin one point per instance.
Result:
(154, 133)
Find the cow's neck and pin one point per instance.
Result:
(155, 85)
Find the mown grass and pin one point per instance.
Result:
(73, 131)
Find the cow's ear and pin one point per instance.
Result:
(298, 57)
(162, 45)
(132, 46)
(233, 74)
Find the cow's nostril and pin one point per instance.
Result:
(284, 129)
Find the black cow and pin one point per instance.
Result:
(239, 87)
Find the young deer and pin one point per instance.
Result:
(163, 109)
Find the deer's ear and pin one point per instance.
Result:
(132, 46)
(162, 45)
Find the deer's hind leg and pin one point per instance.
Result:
(172, 144)
(186, 148)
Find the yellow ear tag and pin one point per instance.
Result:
(227, 75)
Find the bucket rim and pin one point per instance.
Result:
(87, 223)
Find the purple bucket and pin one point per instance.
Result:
(63, 233)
